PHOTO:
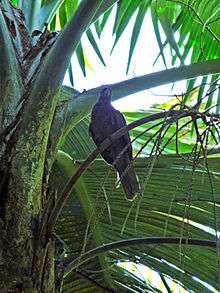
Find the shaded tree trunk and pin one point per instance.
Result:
(26, 253)
(27, 250)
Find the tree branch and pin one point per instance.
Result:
(134, 242)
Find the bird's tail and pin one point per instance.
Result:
(128, 178)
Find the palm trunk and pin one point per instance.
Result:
(26, 253)
(26, 261)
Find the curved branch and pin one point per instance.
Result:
(134, 242)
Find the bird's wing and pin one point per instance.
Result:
(100, 128)
(119, 122)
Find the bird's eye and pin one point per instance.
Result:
(107, 92)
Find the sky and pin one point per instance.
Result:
(143, 58)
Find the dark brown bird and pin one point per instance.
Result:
(105, 121)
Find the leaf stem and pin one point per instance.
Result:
(135, 242)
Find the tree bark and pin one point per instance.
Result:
(26, 259)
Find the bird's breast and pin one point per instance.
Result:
(103, 120)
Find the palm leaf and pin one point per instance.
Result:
(161, 213)
(136, 29)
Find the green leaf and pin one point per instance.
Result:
(157, 33)
(124, 20)
(105, 18)
(161, 213)
(70, 72)
(80, 56)
(100, 24)
(14, 2)
(175, 26)
(97, 28)
(62, 16)
(94, 45)
(170, 36)
(136, 30)
(212, 90)
(122, 6)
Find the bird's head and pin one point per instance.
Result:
(105, 95)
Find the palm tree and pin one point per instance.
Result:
(64, 225)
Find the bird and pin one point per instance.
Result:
(105, 120)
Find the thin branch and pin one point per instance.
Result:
(135, 242)
(173, 135)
